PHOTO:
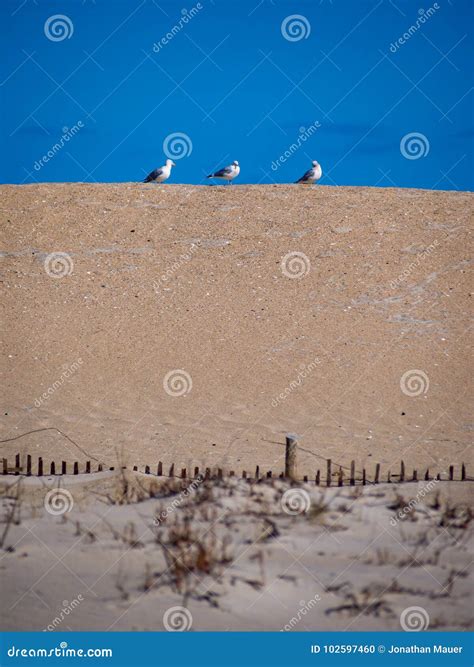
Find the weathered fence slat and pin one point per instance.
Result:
(353, 469)
(290, 457)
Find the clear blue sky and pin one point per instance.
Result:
(240, 85)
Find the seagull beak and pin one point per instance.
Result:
(174, 164)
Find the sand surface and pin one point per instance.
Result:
(165, 278)
(346, 561)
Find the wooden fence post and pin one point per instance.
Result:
(402, 471)
(290, 457)
(353, 469)
(328, 473)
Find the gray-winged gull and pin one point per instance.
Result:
(161, 174)
(228, 173)
(312, 175)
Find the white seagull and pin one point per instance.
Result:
(228, 173)
(161, 174)
(312, 175)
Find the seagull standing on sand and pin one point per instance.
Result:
(161, 174)
(312, 175)
(228, 173)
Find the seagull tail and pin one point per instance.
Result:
(210, 176)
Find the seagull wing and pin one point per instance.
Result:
(221, 173)
(153, 175)
(306, 176)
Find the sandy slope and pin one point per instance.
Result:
(346, 562)
(181, 277)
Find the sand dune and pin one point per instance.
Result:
(165, 278)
